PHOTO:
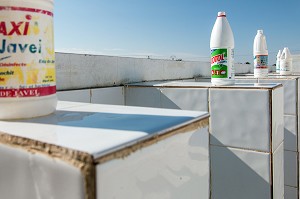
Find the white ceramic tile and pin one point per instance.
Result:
(34, 176)
(278, 172)
(111, 95)
(240, 118)
(290, 95)
(277, 118)
(290, 192)
(290, 168)
(175, 168)
(290, 133)
(237, 173)
(96, 128)
(290, 90)
(75, 95)
(142, 96)
(185, 98)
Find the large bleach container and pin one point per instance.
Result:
(27, 59)
(222, 52)
(260, 53)
(286, 64)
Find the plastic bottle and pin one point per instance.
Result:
(278, 61)
(286, 64)
(222, 52)
(260, 53)
(27, 59)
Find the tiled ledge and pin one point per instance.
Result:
(89, 151)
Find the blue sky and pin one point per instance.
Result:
(165, 28)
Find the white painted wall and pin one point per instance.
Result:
(78, 71)
(296, 63)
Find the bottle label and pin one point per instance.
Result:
(27, 57)
(286, 66)
(261, 62)
(219, 63)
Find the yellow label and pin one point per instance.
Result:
(27, 57)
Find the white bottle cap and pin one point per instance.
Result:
(260, 32)
(221, 14)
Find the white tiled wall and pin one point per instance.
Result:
(240, 127)
(139, 96)
(173, 98)
(290, 168)
(33, 175)
(277, 118)
(241, 121)
(185, 98)
(234, 170)
(290, 192)
(75, 95)
(290, 92)
(126, 152)
(291, 125)
(109, 95)
(290, 133)
(278, 172)
(249, 126)
(162, 170)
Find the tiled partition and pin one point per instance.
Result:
(246, 128)
(107, 95)
(291, 126)
(89, 151)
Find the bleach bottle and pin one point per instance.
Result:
(27, 59)
(260, 53)
(286, 64)
(278, 61)
(222, 52)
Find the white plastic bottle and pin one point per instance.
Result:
(260, 53)
(286, 64)
(278, 61)
(27, 59)
(222, 52)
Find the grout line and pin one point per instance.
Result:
(246, 149)
(271, 143)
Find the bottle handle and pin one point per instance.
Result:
(283, 55)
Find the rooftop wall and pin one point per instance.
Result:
(296, 63)
(77, 71)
